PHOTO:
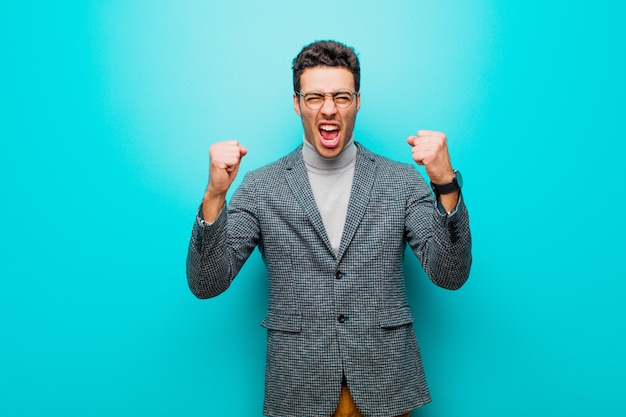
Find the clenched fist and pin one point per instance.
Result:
(430, 149)
(225, 159)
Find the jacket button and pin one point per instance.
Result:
(338, 274)
(341, 318)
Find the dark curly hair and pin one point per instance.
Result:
(328, 54)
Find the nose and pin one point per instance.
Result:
(329, 107)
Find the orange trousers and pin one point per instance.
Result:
(347, 407)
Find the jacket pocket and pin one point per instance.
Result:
(283, 320)
(395, 317)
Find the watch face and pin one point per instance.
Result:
(458, 178)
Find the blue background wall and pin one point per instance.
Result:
(108, 107)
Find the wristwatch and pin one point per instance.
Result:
(455, 185)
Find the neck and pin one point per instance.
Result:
(314, 159)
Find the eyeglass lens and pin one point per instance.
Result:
(315, 100)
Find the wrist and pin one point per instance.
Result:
(446, 178)
(454, 185)
(212, 204)
(212, 193)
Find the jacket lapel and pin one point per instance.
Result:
(298, 181)
(364, 176)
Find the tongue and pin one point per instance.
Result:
(329, 134)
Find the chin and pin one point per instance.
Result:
(331, 152)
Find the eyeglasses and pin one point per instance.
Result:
(314, 100)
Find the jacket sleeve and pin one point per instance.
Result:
(217, 251)
(441, 241)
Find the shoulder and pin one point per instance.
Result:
(279, 166)
(401, 177)
(387, 165)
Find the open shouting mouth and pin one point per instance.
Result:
(329, 134)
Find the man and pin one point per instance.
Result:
(331, 221)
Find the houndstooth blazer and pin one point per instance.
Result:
(334, 315)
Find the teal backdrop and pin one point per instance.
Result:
(108, 109)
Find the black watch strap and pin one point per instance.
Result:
(448, 188)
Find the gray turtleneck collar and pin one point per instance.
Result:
(315, 160)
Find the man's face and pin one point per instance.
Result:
(329, 128)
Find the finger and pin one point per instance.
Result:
(418, 156)
(435, 133)
(424, 148)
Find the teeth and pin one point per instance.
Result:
(329, 128)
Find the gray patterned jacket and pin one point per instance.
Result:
(333, 315)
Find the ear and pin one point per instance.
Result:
(296, 104)
(358, 101)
